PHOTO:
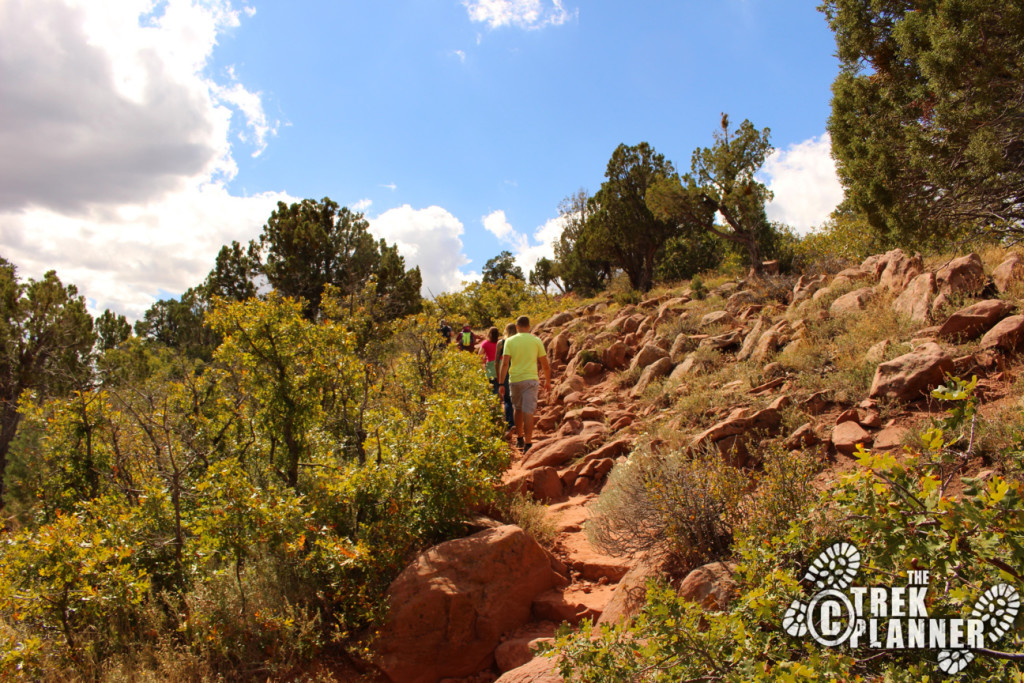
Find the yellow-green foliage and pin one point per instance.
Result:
(246, 514)
(482, 304)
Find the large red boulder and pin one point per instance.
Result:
(916, 300)
(899, 270)
(1008, 272)
(971, 322)
(557, 452)
(913, 374)
(1007, 335)
(852, 302)
(964, 275)
(451, 606)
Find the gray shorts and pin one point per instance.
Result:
(524, 395)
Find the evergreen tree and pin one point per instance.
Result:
(926, 126)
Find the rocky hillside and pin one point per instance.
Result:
(818, 365)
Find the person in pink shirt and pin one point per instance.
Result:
(488, 349)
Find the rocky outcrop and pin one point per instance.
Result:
(450, 607)
(913, 374)
(659, 368)
(647, 355)
(537, 670)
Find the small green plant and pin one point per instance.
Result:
(531, 517)
(697, 289)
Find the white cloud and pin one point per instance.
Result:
(526, 254)
(430, 238)
(362, 205)
(526, 14)
(116, 145)
(804, 181)
(460, 54)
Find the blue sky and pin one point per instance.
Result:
(457, 126)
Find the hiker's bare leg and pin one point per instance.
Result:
(520, 421)
(528, 427)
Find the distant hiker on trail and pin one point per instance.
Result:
(510, 331)
(520, 357)
(446, 332)
(467, 340)
(488, 349)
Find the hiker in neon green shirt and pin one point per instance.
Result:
(521, 356)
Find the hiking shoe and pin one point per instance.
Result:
(526, 447)
(520, 442)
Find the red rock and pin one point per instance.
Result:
(450, 607)
(964, 275)
(572, 604)
(711, 586)
(555, 453)
(852, 302)
(1007, 335)
(717, 318)
(847, 435)
(614, 357)
(816, 404)
(806, 286)
(750, 340)
(802, 437)
(558, 349)
(913, 374)
(647, 355)
(890, 437)
(972, 321)
(850, 275)
(767, 419)
(848, 415)
(519, 650)
(547, 487)
(537, 670)
(612, 449)
(900, 270)
(659, 368)
(1008, 272)
(572, 424)
(592, 369)
(557, 320)
(631, 592)
(915, 302)
(877, 352)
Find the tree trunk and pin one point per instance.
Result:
(9, 419)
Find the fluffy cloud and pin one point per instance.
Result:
(804, 181)
(526, 254)
(430, 238)
(527, 14)
(116, 145)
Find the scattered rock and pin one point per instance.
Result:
(847, 435)
(850, 275)
(900, 270)
(1008, 272)
(614, 357)
(555, 453)
(558, 349)
(877, 352)
(717, 318)
(852, 302)
(802, 437)
(750, 341)
(1007, 335)
(913, 374)
(519, 650)
(537, 670)
(805, 287)
(890, 437)
(739, 300)
(647, 355)
(711, 586)
(450, 607)
(915, 302)
(631, 592)
(972, 321)
(816, 404)
(557, 320)
(547, 487)
(964, 275)
(659, 368)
